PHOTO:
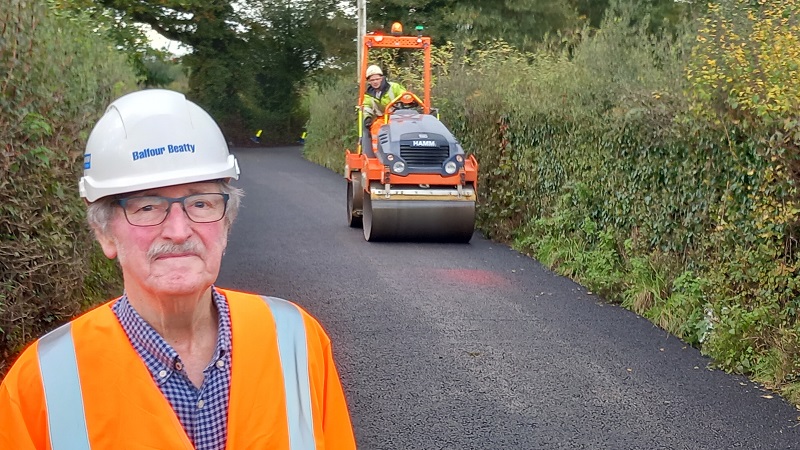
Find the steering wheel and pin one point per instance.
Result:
(406, 100)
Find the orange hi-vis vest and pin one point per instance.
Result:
(83, 386)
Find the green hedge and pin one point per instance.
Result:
(56, 79)
(332, 123)
(625, 162)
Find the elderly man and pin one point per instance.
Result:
(175, 362)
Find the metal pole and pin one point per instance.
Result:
(362, 30)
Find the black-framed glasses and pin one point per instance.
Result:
(152, 210)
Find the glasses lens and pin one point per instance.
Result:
(152, 210)
(205, 207)
(145, 211)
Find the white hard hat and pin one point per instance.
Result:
(374, 70)
(153, 138)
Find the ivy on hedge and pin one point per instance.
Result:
(56, 79)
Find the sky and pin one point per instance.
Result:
(159, 42)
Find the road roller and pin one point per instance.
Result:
(409, 179)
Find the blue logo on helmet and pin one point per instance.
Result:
(158, 151)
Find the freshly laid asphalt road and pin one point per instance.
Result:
(453, 346)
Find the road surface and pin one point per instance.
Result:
(453, 346)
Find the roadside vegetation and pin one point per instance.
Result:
(651, 154)
(659, 170)
(57, 77)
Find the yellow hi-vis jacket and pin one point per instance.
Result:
(83, 386)
(375, 103)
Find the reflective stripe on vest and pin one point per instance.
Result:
(62, 390)
(64, 401)
(293, 349)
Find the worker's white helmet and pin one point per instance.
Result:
(153, 138)
(373, 70)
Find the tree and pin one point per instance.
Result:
(209, 28)
(289, 40)
(247, 61)
(148, 63)
(663, 13)
(523, 23)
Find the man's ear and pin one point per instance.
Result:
(107, 243)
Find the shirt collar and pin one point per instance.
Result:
(159, 357)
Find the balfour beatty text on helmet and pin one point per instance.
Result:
(148, 152)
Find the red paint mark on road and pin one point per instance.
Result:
(473, 276)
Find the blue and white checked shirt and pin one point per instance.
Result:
(203, 412)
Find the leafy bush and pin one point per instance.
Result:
(57, 77)
(332, 124)
(745, 90)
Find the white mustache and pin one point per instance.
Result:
(167, 248)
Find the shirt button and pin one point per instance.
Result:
(178, 366)
(220, 364)
(200, 404)
(162, 374)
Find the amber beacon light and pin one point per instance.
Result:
(397, 28)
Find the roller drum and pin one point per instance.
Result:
(418, 220)
(355, 195)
